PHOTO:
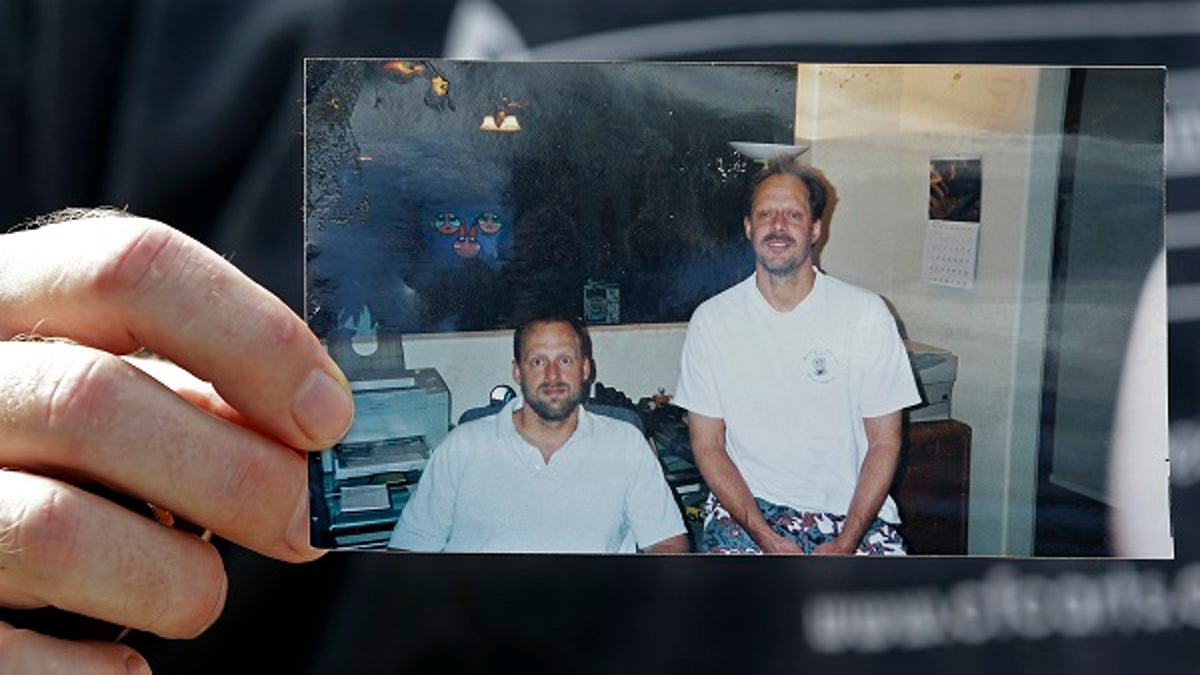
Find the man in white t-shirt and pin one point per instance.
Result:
(794, 382)
(543, 474)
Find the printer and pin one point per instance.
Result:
(935, 370)
(365, 480)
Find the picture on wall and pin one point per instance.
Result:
(955, 189)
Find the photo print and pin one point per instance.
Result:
(449, 203)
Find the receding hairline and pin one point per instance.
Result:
(577, 328)
(816, 185)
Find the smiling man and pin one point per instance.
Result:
(794, 382)
(543, 474)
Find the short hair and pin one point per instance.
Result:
(576, 324)
(789, 165)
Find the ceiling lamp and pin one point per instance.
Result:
(500, 121)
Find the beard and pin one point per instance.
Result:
(549, 411)
(783, 267)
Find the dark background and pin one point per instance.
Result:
(615, 177)
(192, 113)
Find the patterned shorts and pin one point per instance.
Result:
(722, 534)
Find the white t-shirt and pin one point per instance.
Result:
(793, 387)
(486, 489)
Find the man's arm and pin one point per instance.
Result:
(227, 456)
(874, 481)
(427, 520)
(650, 507)
(707, 436)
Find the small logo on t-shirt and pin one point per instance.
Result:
(820, 365)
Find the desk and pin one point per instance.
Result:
(932, 487)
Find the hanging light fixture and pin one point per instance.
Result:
(504, 117)
(500, 121)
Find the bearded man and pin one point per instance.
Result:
(544, 474)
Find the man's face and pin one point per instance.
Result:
(780, 226)
(552, 370)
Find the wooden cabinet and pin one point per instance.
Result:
(932, 487)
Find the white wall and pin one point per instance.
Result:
(878, 129)
(638, 360)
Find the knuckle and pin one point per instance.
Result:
(84, 394)
(281, 325)
(242, 490)
(177, 594)
(145, 251)
(44, 538)
(199, 599)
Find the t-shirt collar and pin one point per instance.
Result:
(505, 425)
(808, 301)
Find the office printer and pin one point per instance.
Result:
(366, 479)
(935, 370)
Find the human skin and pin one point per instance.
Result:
(214, 431)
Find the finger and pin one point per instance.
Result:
(23, 651)
(189, 387)
(79, 410)
(120, 284)
(69, 549)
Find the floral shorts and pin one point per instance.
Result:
(722, 534)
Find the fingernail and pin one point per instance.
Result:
(323, 408)
(136, 665)
(299, 534)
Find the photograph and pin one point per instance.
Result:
(954, 189)
(740, 308)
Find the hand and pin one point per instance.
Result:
(225, 456)
(777, 543)
(839, 546)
